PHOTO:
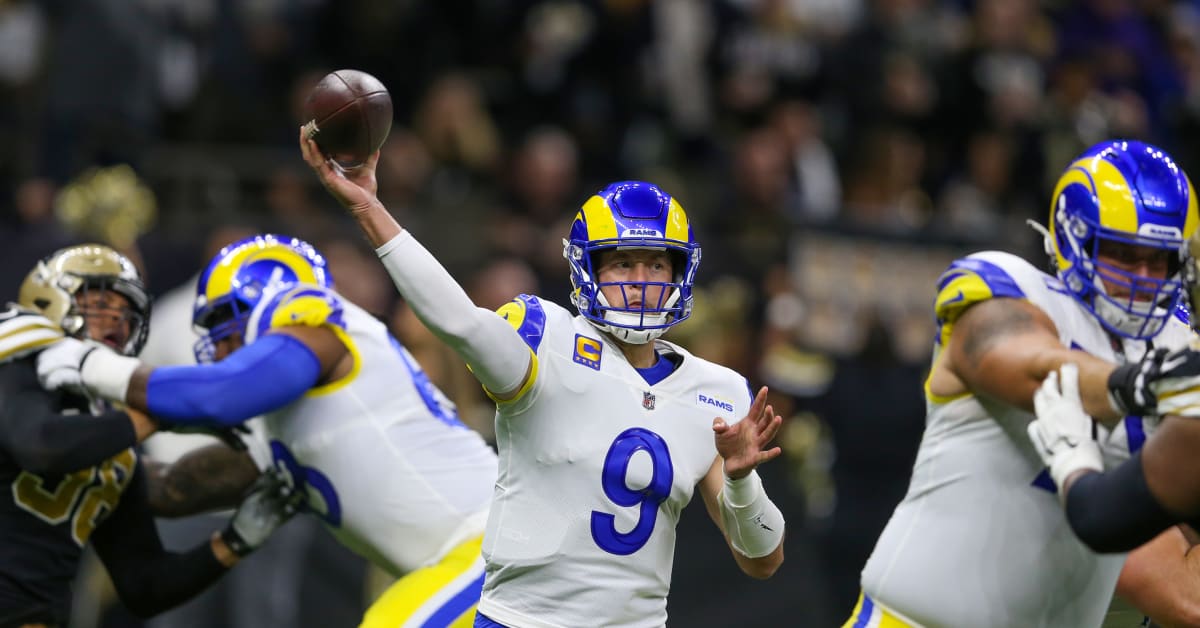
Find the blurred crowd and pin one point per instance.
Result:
(834, 156)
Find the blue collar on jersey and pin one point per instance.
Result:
(665, 366)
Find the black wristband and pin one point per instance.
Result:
(235, 541)
(1122, 388)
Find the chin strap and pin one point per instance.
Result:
(1047, 239)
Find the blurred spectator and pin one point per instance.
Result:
(875, 439)
(33, 233)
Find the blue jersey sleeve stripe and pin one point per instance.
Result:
(534, 326)
(999, 281)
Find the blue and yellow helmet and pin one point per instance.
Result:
(241, 275)
(633, 215)
(1122, 192)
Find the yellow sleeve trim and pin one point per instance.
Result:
(525, 388)
(346, 379)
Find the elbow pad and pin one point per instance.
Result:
(752, 521)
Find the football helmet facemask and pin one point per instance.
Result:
(1133, 194)
(58, 285)
(632, 215)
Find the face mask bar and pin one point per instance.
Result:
(1148, 302)
(645, 315)
(216, 323)
(135, 315)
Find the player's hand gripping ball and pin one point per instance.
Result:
(349, 115)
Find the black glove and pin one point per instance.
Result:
(1136, 388)
(270, 502)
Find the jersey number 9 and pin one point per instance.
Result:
(616, 467)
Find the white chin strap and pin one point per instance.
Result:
(623, 322)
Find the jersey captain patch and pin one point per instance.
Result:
(588, 351)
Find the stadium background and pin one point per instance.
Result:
(834, 156)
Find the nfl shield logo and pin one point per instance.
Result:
(648, 400)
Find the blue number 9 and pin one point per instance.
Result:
(616, 464)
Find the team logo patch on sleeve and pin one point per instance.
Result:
(587, 351)
(714, 402)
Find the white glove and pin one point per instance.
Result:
(87, 367)
(1062, 433)
(269, 504)
(59, 366)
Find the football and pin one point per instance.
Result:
(349, 114)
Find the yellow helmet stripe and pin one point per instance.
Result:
(1117, 208)
(1193, 212)
(220, 281)
(677, 222)
(599, 220)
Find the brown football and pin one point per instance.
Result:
(349, 114)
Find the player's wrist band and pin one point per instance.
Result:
(743, 491)
(752, 521)
(107, 374)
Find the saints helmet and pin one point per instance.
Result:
(632, 215)
(1132, 193)
(244, 273)
(56, 284)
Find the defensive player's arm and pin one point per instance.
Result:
(148, 578)
(41, 440)
(497, 355)
(210, 478)
(1162, 580)
(1003, 348)
(1159, 486)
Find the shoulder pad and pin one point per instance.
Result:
(23, 332)
(302, 304)
(526, 315)
(968, 281)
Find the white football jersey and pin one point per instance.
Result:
(380, 453)
(980, 539)
(596, 465)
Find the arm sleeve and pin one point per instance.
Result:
(497, 355)
(41, 440)
(148, 578)
(259, 377)
(1115, 511)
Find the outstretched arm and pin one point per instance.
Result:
(255, 379)
(42, 440)
(497, 355)
(150, 579)
(210, 478)
(1004, 348)
(733, 493)
(1117, 510)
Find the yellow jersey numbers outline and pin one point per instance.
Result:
(86, 497)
